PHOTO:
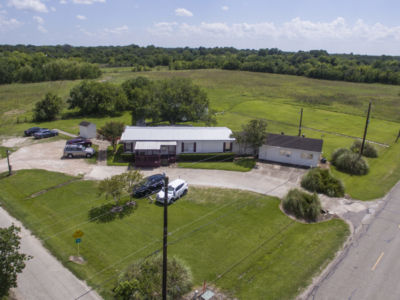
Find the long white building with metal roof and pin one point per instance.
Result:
(151, 144)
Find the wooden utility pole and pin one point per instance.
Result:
(398, 136)
(8, 163)
(365, 130)
(301, 120)
(164, 279)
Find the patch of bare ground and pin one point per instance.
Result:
(198, 292)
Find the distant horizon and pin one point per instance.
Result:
(365, 27)
(172, 47)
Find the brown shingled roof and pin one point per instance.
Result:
(294, 142)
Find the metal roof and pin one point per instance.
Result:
(85, 123)
(176, 133)
(152, 145)
(294, 142)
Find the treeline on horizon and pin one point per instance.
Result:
(18, 66)
(314, 64)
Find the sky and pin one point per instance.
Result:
(338, 26)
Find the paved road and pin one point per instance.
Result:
(370, 267)
(44, 277)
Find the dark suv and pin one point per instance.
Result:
(150, 185)
(80, 141)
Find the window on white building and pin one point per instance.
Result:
(306, 155)
(188, 147)
(286, 153)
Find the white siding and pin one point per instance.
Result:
(203, 146)
(88, 132)
(289, 156)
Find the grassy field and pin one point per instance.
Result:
(240, 165)
(238, 240)
(333, 111)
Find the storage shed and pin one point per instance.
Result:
(87, 130)
(294, 150)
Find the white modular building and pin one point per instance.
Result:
(151, 144)
(294, 150)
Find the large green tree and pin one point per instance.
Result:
(112, 132)
(141, 99)
(12, 261)
(97, 98)
(48, 108)
(180, 100)
(253, 135)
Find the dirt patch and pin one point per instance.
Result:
(15, 142)
(14, 112)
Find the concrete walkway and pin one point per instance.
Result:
(44, 277)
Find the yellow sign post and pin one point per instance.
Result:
(77, 235)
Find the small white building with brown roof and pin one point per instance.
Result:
(294, 150)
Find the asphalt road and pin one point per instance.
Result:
(44, 277)
(370, 267)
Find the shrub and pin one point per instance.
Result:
(302, 205)
(195, 157)
(337, 153)
(369, 150)
(143, 279)
(48, 108)
(322, 181)
(351, 163)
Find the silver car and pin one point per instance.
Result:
(78, 151)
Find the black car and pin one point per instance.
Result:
(80, 141)
(150, 185)
(45, 133)
(32, 130)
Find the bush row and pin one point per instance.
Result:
(349, 162)
(302, 205)
(321, 181)
(207, 157)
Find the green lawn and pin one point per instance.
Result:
(240, 165)
(117, 158)
(3, 151)
(240, 241)
(330, 108)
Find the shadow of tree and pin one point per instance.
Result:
(111, 211)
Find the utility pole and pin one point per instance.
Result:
(301, 120)
(365, 130)
(398, 136)
(8, 162)
(164, 279)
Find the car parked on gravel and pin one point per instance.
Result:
(80, 141)
(176, 189)
(149, 185)
(32, 130)
(45, 133)
(73, 150)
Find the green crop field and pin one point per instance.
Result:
(334, 111)
(239, 241)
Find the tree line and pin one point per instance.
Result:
(314, 64)
(35, 67)
(173, 100)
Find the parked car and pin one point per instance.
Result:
(71, 151)
(32, 130)
(45, 133)
(150, 185)
(80, 141)
(176, 189)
